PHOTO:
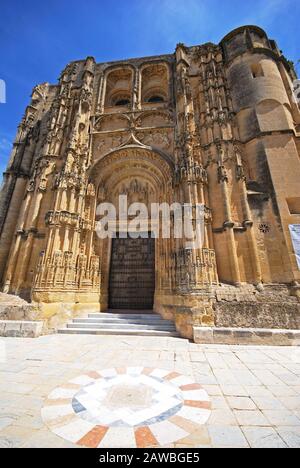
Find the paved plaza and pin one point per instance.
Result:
(106, 391)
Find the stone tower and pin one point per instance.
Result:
(215, 125)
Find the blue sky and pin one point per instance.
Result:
(39, 38)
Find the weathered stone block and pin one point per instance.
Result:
(246, 336)
(203, 335)
(2, 327)
(31, 329)
(12, 328)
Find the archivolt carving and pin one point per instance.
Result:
(136, 189)
(139, 173)
(124, 172)
(133, 156)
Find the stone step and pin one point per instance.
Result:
(125, 332)
(142, 324)
(123, 326)
(125, 316)
(132, 321)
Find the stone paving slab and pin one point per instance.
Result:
(254, 391)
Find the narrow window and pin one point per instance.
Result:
(257, 70)
(294, 205)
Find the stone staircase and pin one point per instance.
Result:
(139, 324)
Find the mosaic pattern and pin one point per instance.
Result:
(127, 407)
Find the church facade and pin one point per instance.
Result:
(215, 125)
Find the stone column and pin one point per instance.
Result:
(99, 107)
(26, 251)
(248, 223)
(228, 223)
(103, 94)
(137, 90)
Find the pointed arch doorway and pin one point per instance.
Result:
(134, 272)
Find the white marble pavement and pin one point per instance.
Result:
(254, 392)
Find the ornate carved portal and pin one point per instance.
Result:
(128, 279)
(132, 274)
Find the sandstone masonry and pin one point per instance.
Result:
(214, 124)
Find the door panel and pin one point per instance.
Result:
(132, 274)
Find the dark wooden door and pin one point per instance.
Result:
(132, 274)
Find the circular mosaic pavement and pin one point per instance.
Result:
(127, 407)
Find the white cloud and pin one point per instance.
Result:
(179, 20)
(184, 20)
(5, 144)
(266, 11)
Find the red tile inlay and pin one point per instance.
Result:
(171, 376)
(144, 438)
(147, 370)
(93, 438)
(93, 375)
(194, 386)
(198, 404)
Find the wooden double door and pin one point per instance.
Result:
(132, 274)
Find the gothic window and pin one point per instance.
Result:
(119, 88)
(155, 83)
(122, 102)
(156, 99)
(120, 99)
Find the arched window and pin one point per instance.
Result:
(155, 83)
(156, 99)
(122, 102)
(118, 88)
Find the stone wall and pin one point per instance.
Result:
(273, 308)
